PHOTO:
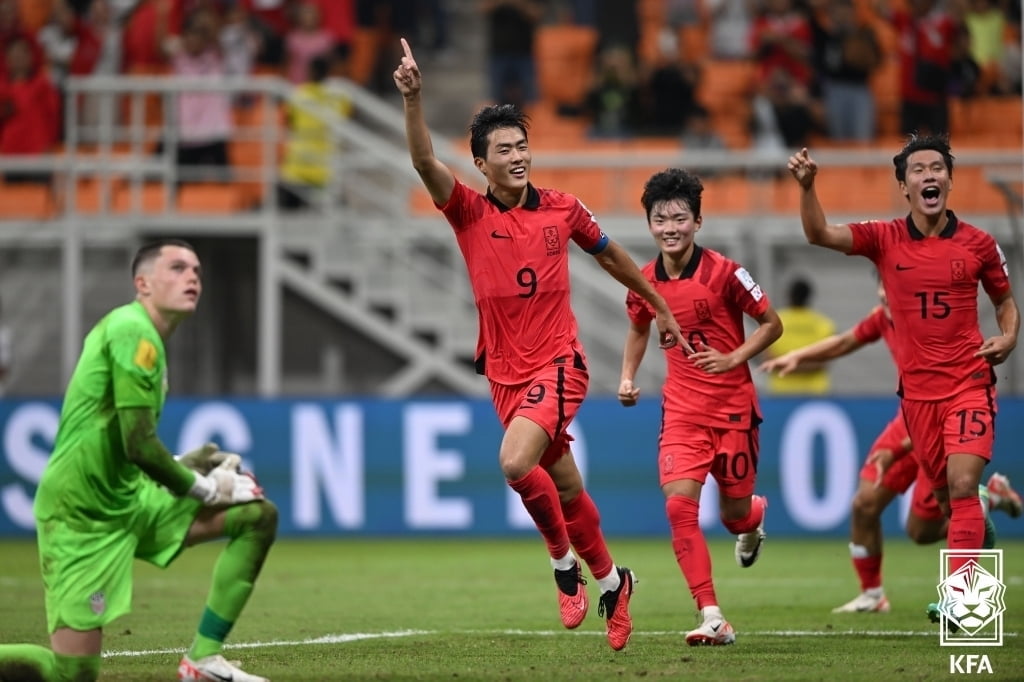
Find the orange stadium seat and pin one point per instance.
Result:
(33, 14)
(727, 195)
(152, 198)
(26, 201)
(220, 198)
(725, 89)
(564, 55)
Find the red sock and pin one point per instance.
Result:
(583, 523)
(540, 497)
(966, 528)
(691, 549)
(751, 520)
(869, 569)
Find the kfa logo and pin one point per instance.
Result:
(971, 601)
(970, 663)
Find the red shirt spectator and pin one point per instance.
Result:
(29, 104)
(781, 39)
(926, 39)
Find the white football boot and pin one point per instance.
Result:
(214, 669)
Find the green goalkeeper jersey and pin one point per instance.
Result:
(89, 478)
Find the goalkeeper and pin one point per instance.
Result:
(112, 492)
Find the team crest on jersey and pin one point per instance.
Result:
(98, 602)
(145, 355)
(958, 269)
(551, 240)
(702, 308)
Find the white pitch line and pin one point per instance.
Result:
(360, 636)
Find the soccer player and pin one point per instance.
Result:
(515, 241)
(710, 413)
(111, 491)
(888, 471)
(930, 263)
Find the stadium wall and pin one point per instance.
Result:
(429, 466)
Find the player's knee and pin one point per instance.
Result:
(866, 505)
(77, 668)
(260, 517)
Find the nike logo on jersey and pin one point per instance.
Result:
(901, 268)
(499, 235)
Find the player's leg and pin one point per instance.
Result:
(88, 582)
(173, 524)
(968, 443)
(583, 524)
(741, 511)
(1002, 496)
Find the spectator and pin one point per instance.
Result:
(617, 23)
(803, 326)
(927, 35)
(339, 18)
(511, 28)
(307, 40)
(204, 118)
(6, 355)
(29, 109)
(306, 170)
(11, 29)
(107, 19)
(239, 39)
(699, 135)
(730, 24)
(669, 90)
(70, 45)
(612, 101)
(785, 113)
(847, 53)
(985, 23)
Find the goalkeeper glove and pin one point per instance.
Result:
(203, 459)
(225, 485)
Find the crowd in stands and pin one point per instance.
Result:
(766, 74)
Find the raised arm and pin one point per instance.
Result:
(813, 356)
(617, 263)
(436, 177)
(812, 216)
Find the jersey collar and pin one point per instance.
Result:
(662, 276)
(947, 231)
(532, 199)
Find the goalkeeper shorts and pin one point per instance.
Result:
(87, 565)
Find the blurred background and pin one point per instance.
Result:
(334, 344)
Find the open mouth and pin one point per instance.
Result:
(930, 193)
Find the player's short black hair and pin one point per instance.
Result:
(491, 118)
(916, 143)
(151, 250)
(672, 184)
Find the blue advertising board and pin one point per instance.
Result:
(429, 466)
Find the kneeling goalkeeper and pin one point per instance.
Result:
(112, 492)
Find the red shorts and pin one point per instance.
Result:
(961, 424)
(550, 400)
(903, 472)
(691, 451)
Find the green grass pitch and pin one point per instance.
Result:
(480, 609)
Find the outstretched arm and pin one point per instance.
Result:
(436, 177)
(813, 356)
(812, 216)
(617, 263)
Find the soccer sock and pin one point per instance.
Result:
(869, 570)
(583, 524)
(76, 668)
(751, 521)
(252, 528)
(690, 548)
(966, 527)
(540, 497)
(565, 563)
(27, 662)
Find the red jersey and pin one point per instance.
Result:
(876, 325)
(931, 284)
(926, 54)
(518, 263)
(708, 300)
(32, 127)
